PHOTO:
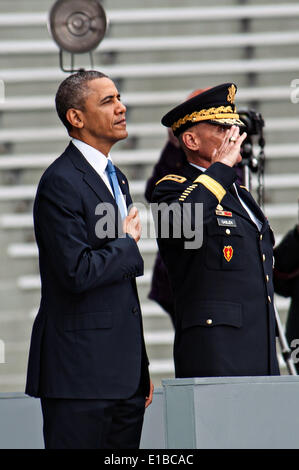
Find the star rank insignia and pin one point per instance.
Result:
(228, 253)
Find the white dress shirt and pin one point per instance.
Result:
(249, 211)
(99, 163)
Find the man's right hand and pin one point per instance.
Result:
(229, 151)
(132, 224)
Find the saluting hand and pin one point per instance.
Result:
(132, 224)
(229, 151)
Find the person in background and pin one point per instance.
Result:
(171, 160)
(286, 281)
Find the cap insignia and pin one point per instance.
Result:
(231, 94)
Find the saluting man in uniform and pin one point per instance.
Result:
(223, 290)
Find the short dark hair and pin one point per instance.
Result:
(72, 93)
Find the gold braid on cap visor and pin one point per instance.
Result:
(222, 112)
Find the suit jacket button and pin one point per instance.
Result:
(135, 310)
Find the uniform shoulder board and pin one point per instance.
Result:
(177, 178)
(244, 187)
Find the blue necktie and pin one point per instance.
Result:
(111, 172)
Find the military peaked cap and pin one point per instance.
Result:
(215, 105)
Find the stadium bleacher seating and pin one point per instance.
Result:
(156, 55)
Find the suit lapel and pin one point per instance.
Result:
(96, 183)
(91, 177)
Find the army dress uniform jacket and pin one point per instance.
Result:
(225, 319)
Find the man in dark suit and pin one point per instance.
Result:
(223, 290)
(87, 360)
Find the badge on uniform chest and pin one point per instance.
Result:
(226, 222)
(224, 213)
(220, 211)
(228, 253)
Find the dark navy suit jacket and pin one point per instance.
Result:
(87, 339)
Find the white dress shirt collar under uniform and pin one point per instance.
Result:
(249, 211)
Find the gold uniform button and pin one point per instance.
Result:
(209, 321)
(267, 278)
(264, 258)
(227, 231)
(269, 299)
(261, 237)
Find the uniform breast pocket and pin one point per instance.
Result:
(225, 247)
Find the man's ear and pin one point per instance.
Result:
(75, 118)
(191, 140)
